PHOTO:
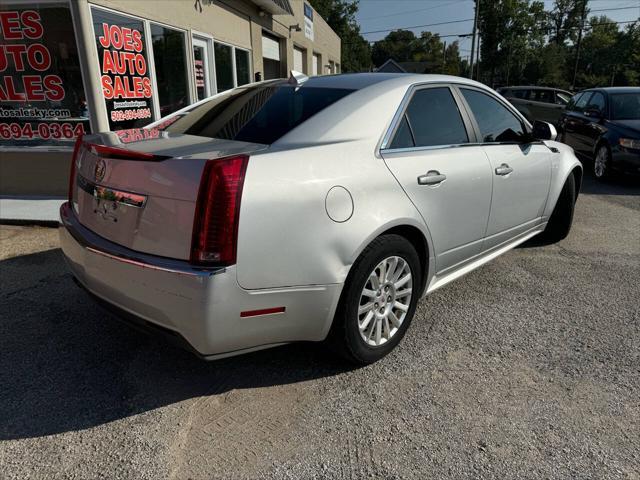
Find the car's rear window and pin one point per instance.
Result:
(257, 114)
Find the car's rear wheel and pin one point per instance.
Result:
(559, 224)
(378, 301)
(601, 163)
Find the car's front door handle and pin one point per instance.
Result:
(504, 169)
(433, 177)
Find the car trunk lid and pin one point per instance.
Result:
(139, 188)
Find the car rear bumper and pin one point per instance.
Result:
(201, 306)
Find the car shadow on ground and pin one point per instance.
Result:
(618, 184)
(67, 365)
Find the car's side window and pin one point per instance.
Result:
(545, 96)
(581, 104)
(432, 118)
(572, 102)
(403, 137)
(496, 122)
(562, 98)
(596, 102)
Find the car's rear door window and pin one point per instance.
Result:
(544, 96)
(257, 114)
(433, 119)
(403, 137)
(496, 122)
(521, 93)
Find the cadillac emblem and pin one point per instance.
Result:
(99, 170)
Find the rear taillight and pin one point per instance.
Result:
(74, 166)
(215, 227)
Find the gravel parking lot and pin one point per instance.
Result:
(526, 368)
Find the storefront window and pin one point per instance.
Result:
(243, 72)
(224, 66)
(170, 62)
(126, 82)
(42, 100)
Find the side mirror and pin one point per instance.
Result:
(593, 113)
(544, 131)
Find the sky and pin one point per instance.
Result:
(393, 14)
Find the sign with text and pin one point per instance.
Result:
(125, 78)
(42, 99)
(308, 21)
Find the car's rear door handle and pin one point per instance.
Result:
(503, 169)
(433, 177)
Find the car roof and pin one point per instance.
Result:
(358, 81)
(614, 89)
(532, 87)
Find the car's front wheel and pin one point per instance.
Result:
(559, 224)
(378, 300)
(601, 163)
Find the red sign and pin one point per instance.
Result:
(35, 56)
(33, 98)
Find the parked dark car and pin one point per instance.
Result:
(603, 125)
(537, 103)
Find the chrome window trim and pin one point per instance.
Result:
(431, 147)
(402, 109)
(455, 145)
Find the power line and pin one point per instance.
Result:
(613, 9)
(471, 19)
(411, 11)
(419, 26)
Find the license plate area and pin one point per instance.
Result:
(111, 213)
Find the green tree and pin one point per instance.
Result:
(452, 61)
(565, 19)
(399, 45)
(511, 31)
(404, 46)
(340, 15)
(627, 70)
(599, 53)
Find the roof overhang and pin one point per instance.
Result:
(275, 7)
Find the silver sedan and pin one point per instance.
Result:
(315, 209)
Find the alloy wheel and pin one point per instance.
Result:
(385, 301)
(600, 163)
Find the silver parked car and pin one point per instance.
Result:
(538, 103)
(314, 209)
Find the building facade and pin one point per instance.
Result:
(71, 67)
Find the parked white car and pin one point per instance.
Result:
(310, 209)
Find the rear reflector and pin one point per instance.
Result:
(122, 153)
(215, 226)
(264, 311)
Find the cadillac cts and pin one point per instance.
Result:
(314, 209)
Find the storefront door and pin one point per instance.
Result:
(201, 54)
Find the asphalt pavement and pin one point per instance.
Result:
(526, 368)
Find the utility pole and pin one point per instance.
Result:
(444, 56)
(473, 38)
(582, 19)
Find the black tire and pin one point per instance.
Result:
(561, 219)
(344, 337)
(602, 172)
